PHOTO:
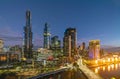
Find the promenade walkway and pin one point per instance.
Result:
(89, 73)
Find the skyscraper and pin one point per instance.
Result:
(94, 49)
(82, 47)
(46, 37)
(69, 42)
(55, 43)
(28, 36)
(1, 45)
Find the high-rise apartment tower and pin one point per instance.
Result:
(69, 42)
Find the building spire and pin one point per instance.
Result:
(28, 18)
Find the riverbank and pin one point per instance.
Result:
(99, 65)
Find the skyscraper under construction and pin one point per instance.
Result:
(46, 37)
(28, 36)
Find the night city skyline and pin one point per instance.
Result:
(93, 19)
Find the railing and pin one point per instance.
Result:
(49, 74)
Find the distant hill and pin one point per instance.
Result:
(111, 48)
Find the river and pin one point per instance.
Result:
(111, 71)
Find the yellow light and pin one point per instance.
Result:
(116, 59)
(98, 67)
(112, 59)
(108, 68)
(96, 61)
(116, 66)
(24, 59)
(113, 78)
(112, 66)
(108, 59)
(103, 61)
(96, 70)
(103, 68)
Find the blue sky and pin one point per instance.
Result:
(93, 19)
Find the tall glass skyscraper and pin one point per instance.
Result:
(28, 36)
(46, 37)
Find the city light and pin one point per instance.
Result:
(63, 49)
(116, 59)
(108, 59)
(112, 66)
(116, 66)
(108, 68)
(112, 59)
(103, 60)
(103, 68)
(96, 61)
(96, 70)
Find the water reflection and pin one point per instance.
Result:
(112, 66)
(96, 70)
(103, 68)
(108, 68)
(116, 66)
(111, 71)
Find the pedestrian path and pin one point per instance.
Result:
(89, 73)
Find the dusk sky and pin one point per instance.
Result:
(93, 19)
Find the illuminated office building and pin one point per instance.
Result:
(69, 42)
(55, 43)
(94, 49)
(46, 37)
(1, 45)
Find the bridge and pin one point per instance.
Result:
(83, 73)
(57, 74)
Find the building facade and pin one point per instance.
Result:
(1, 45)
(28, 37)
(46, 35)
(15, 48)
(94, 49)
(69, 42)
(55, 43)
(9, 57)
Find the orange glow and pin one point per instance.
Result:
(116, 66)
(108, 68)
(3, 58)
(116, 59)
(108, 59)
(103, 68)
(96, 70)
(112, 59)
(112, 66)
(113, 78)
(96, 61)
(119, 57)
(103, 61)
